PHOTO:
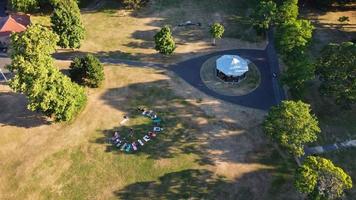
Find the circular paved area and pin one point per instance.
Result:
(245, 86)
(261, 98)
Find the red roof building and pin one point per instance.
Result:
(13, 24)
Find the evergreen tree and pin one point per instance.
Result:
(66, 23)
(88, 71)
(164, 41)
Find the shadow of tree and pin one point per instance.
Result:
(192, 184)
(14, 112)
(180, 133)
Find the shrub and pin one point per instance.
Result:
(66, 23)
(88, 71)
(164, 41)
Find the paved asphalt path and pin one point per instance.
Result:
(262, 98)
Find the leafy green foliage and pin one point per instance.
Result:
(217, 30)
(291, 125)
(288, 11)
(293, 35)
(300, 70)
(164, 41)
(264, 15)
(66, 23)
(87, 70)
(24, 5)
(320, 179)
(47, 90)
(336, 68)
(134, 4)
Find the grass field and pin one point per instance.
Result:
(197, 156)
(117, 33)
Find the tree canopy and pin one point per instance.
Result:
(336, 68)
(300, 70)
(67, 24)
(291, 125)
(88, 71)
(288, 11)
(24, 5)
(47, 90)
(164, 41)
(293, 35)
(264, 15)
(321, 179)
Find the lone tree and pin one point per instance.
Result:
(164, 41)
(320, 179)
(264, 15)
(293, 35)
(66, 23)
(47, 90)
(217, 31)
(88, 71)
(291, 125)
(336, 68)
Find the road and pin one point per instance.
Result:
(262, 98)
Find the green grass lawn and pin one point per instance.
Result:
(117, 33)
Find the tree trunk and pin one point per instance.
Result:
(297, 161)
(214, 42)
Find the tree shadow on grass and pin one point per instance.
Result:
(14, 112)
(194, 184)
(180, 132)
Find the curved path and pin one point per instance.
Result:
(262, 98)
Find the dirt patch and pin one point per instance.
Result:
(231, 136)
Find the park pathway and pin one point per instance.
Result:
(328, 148)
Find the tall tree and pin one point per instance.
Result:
(300, 70)
(288, 11)
(24, 5)
(336, 68)
(293, 35)
(217, 31)
(264, 15)
(164, 41)
(67, 24)
(291, 125)
(47, 90)
(88, 71)
(321, 179)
